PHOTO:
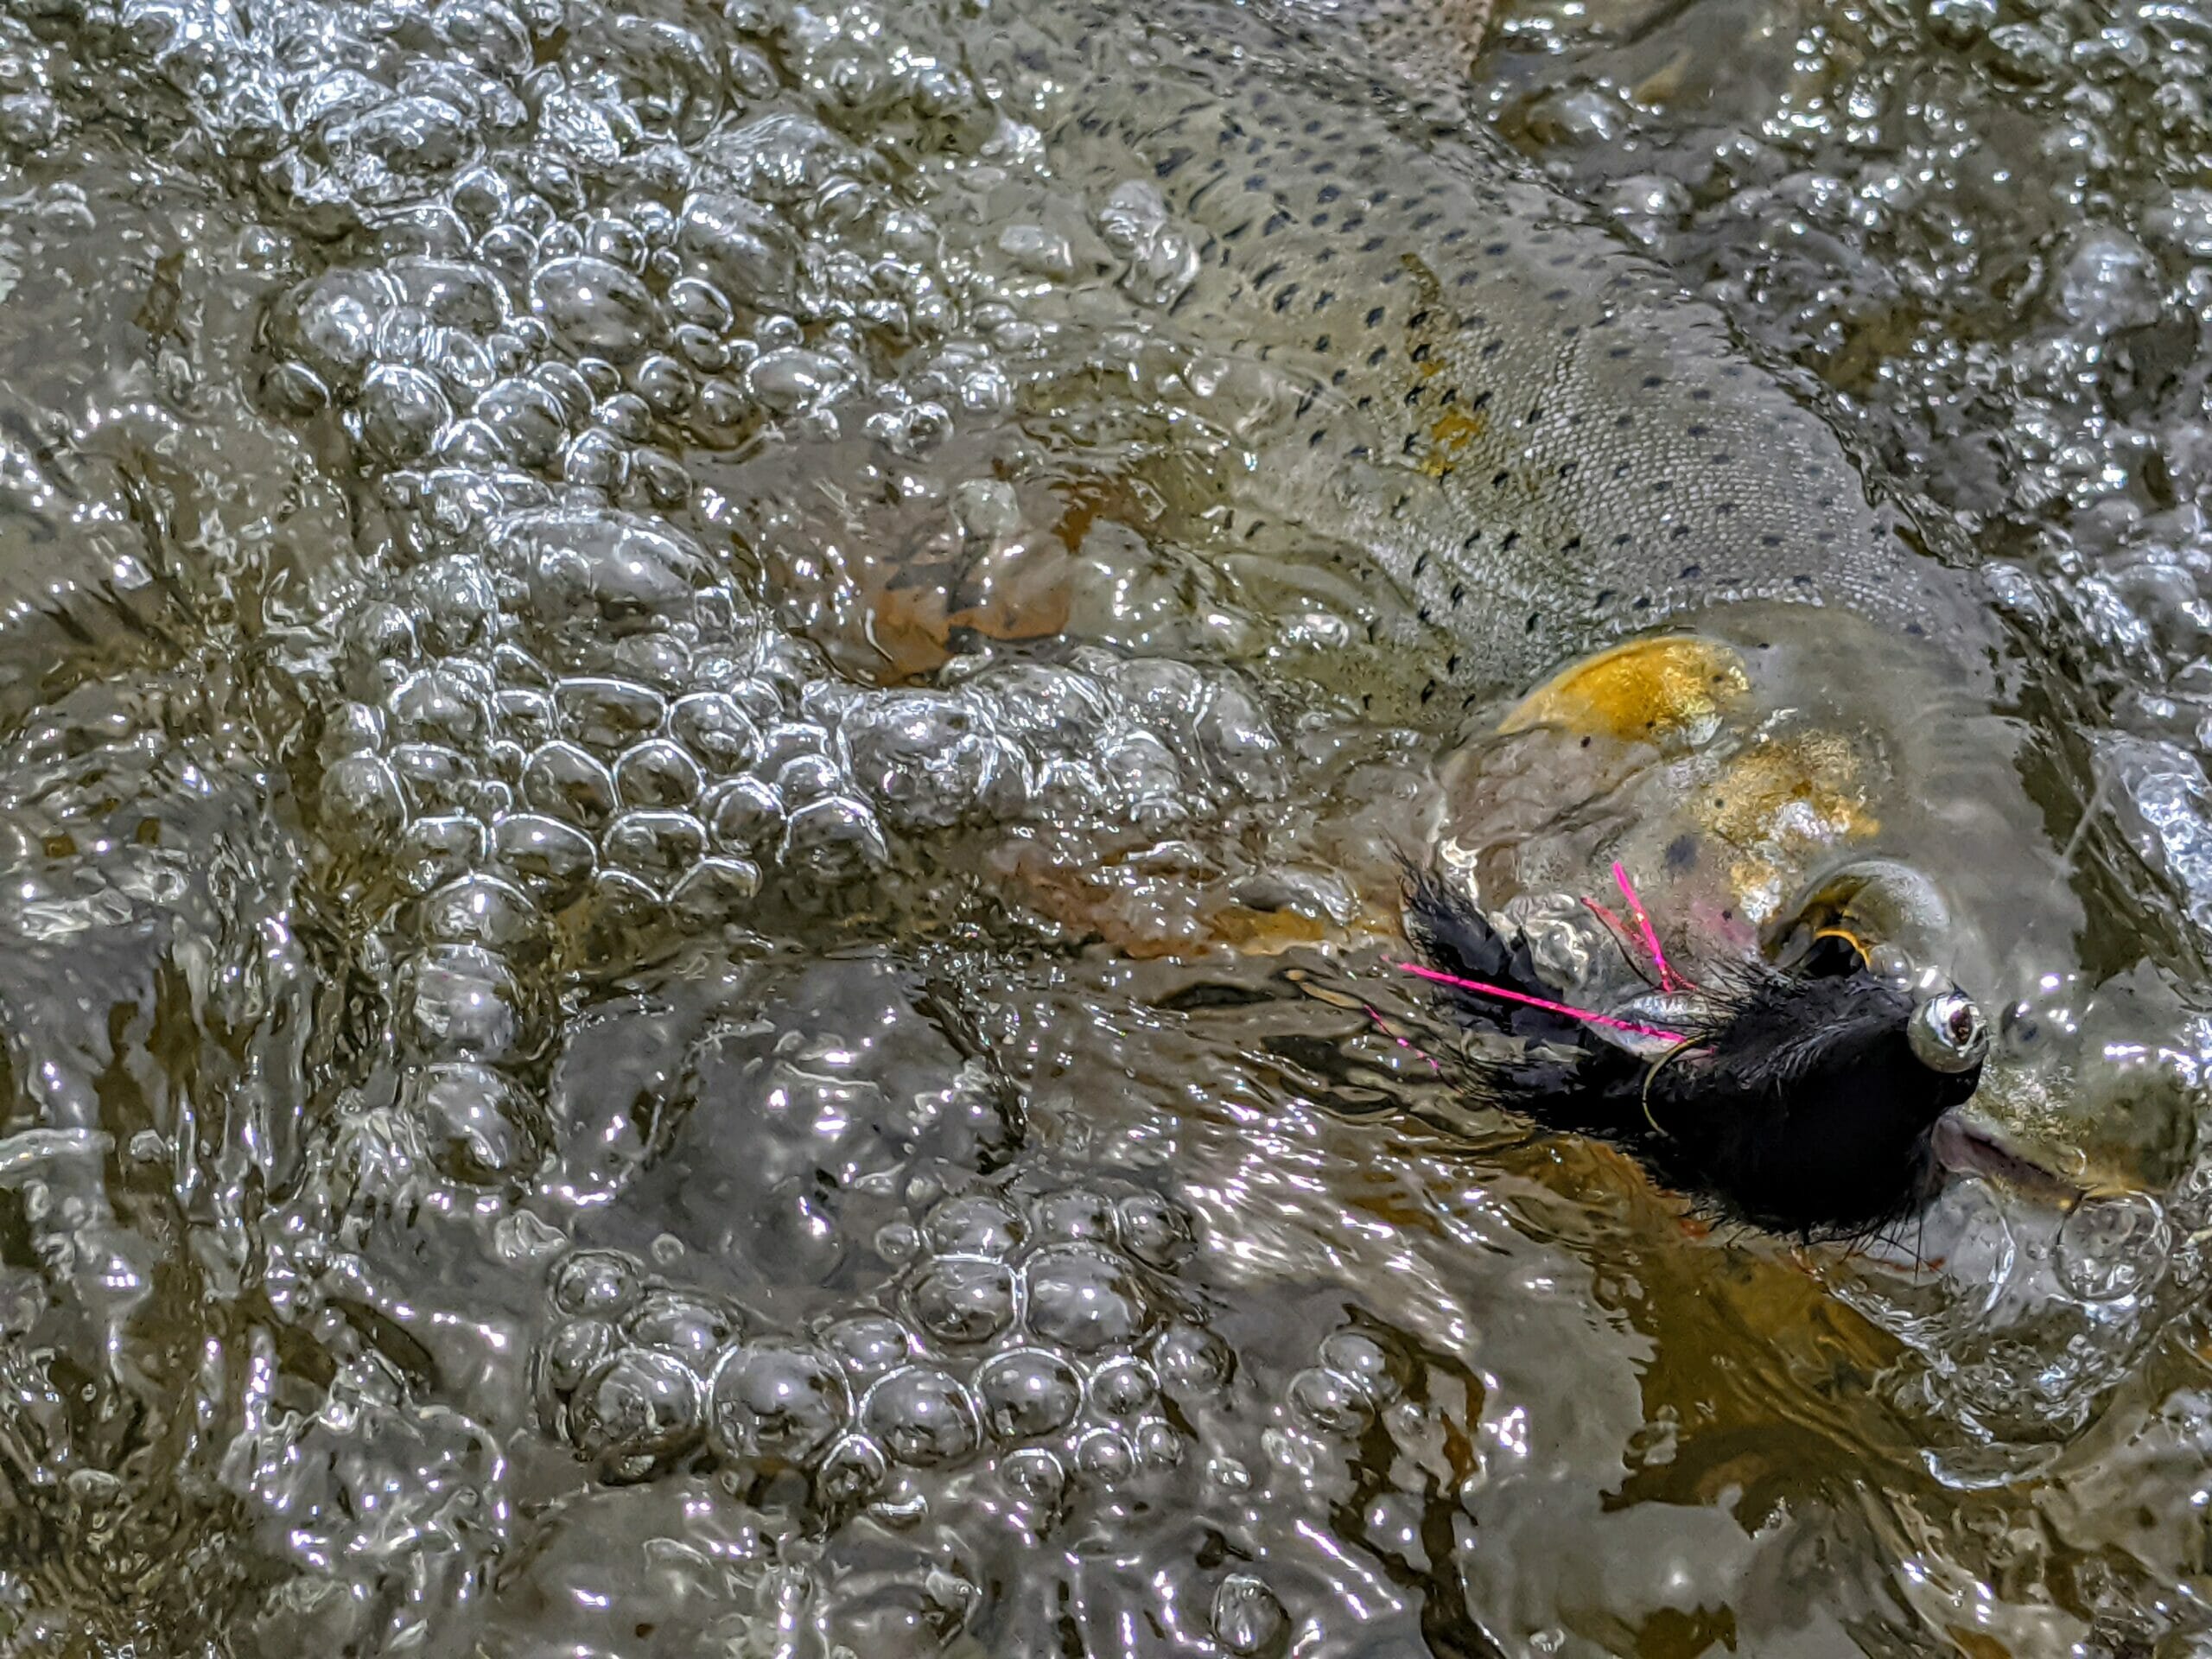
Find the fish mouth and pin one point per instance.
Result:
(1965, 1144)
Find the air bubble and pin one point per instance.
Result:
(852, 1473)
(568, 1356)
(1035, 1473)
(1154, 1231)
(460, 1001)
(1247, 1619)
(545, 851)
(682, 1324)
(657, 773)
(1377, 1374)
(1028, 1392)
(2110, 1248)
(1105, 1456)
(568, 783)
(593, 307)
(1084, 1299)
(655, 847)
(639, 1405)
(976, 1223)
(1075, 1214)
(362, 807)
(780, 1401)
(923, 1417)
(786, 381)
(1158, 1444)
(713, 727)
(743, 251)
(597, 1284)
(963, 1300)
(714, 890)
(867, 1346)
(402, 412)
(1329, 1403)
(479, 1124)
(835, 837)
(1123, 1387)
(435, 851)
(526, 423)
(608, 715)
(1193, 1363)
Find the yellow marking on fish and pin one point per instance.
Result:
(1451, 432)
(1780, 804)
(1802, 794)
(1669, 691)
(1265, 933)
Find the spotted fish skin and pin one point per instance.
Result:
(1533, 431)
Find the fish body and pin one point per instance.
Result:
(1537, 434)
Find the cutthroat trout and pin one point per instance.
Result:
(1764, 696)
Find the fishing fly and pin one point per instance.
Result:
(1803, 1099)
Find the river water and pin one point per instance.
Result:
(682, 892)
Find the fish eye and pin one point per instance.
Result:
(1947, 1033)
